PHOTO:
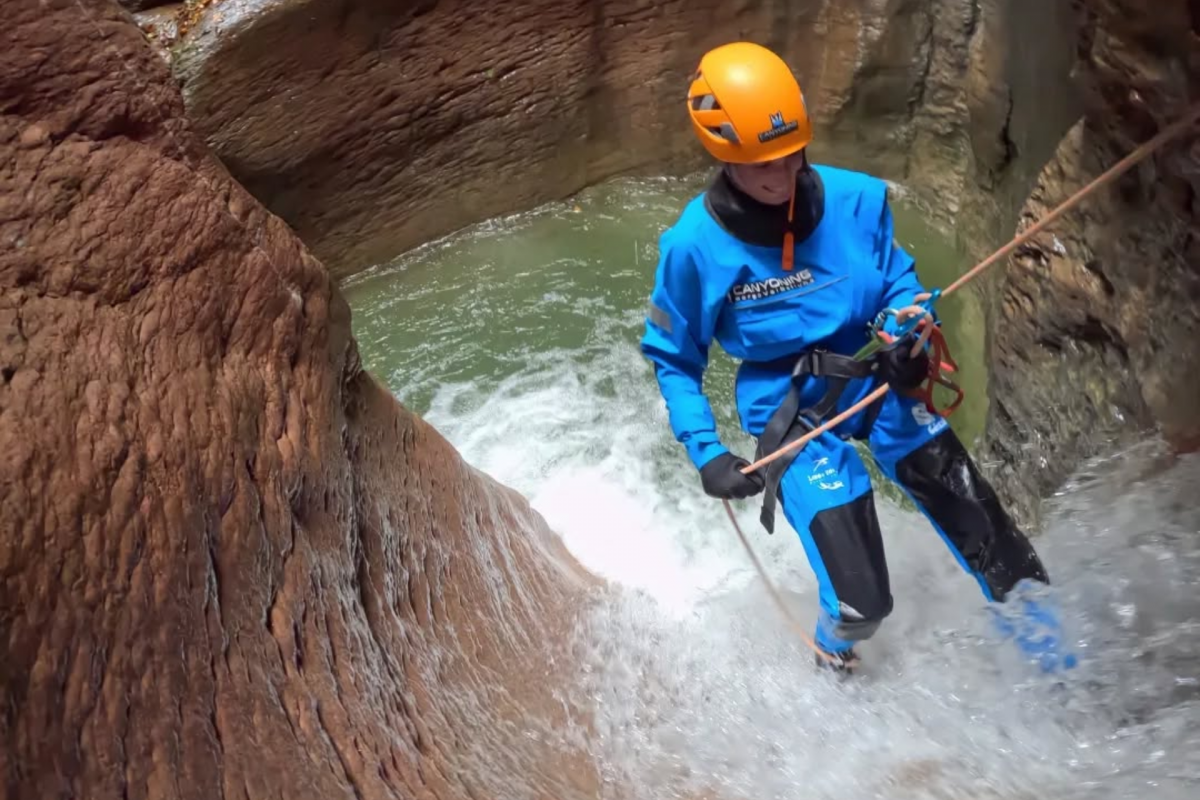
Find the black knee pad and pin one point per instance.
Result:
(851, 547)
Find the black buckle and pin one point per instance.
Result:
(806, 364)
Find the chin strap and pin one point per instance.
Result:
(789, 239)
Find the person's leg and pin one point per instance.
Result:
(827, 497)
(922, 454)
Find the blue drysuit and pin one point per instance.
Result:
(712, 285)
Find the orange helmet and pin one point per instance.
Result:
(746, 105)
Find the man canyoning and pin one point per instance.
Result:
(786, 264)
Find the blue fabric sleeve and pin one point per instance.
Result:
(678, 332)
(900, 281)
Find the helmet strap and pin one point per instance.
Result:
(789, 239)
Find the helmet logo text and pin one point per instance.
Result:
(778, 127)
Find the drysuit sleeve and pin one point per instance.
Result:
(678, 332)
(900, 281)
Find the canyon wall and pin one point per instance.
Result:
(231, 564)
(1094, 324)
(373, 126)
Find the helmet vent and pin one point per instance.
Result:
(705, 102)
(726, 132)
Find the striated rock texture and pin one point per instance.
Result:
(372, 126)
(360, 125)
(1095, 324)
(231, 565)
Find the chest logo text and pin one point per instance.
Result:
(757, 290)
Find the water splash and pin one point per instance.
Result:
(697, 686)
(701, 689)
(729, 701)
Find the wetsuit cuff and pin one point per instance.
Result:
(703, 452)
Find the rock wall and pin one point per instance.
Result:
(373, 126)
(1095, 323)
(231, 565)
(356, 122)
(353, 121)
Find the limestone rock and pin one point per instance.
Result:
(1094, 330)
(231, 564)
(373, 126)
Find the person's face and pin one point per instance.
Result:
(769, 182)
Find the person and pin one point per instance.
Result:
(784, 263)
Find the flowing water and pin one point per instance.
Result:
(517, 339)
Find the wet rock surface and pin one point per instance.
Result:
(372, 126)
(231, 565)
(1094, 323)
(354, 122)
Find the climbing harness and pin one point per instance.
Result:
(919, 316)
(790, 421)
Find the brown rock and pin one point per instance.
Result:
(33, 136)
(231, 565)
(145, 5)
(373, 126)
(1093, 342)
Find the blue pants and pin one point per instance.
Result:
(827, 497)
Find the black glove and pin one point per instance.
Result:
(898, 368)
(722, 478)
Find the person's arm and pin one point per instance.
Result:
(898, 367)
(900, 281)
(679, 330)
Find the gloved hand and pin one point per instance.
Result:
(898, 368)
(721, 477)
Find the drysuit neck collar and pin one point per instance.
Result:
(766, 225)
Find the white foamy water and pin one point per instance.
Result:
(703, 690)
(698, 686)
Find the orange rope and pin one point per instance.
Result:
(1112, 173)
(771, 590)
(1118, 169)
